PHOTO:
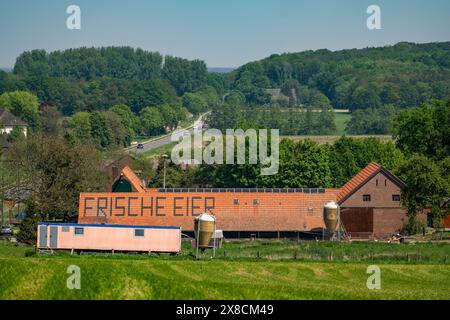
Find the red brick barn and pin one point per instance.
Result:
(371, 203)
(370, 206)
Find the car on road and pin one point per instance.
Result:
(6, 230)
(140, 146)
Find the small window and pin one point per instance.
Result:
(255, 201)
(310, 211)
(138, 232)
(65, 229)
(396, 197)
(79, 231)
(236, 201)
(366, 198)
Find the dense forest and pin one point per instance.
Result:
(293, 92)
(404, 75)
(88, 79)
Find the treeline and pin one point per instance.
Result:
(119, 125)
(88, 79)
(372, 120)
(109, 128)
(290, 121)
(404, 75)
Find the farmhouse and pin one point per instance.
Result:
(370, 206)
(8, 122)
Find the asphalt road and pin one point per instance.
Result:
(159, 142)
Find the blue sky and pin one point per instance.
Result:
(225, 33)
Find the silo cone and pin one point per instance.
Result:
(204, 226)
(331, 216)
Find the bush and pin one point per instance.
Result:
(413, 226)
(28, 230)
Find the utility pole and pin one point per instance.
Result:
(165, 156)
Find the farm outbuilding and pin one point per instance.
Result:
(370, 207)
(101, 237)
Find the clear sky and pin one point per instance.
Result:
(226, 33)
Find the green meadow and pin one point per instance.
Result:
(241, 270)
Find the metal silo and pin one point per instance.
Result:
(331, 216)
(204, 227)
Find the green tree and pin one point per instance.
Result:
(152, 120)
(80, 125)
(55, 171)
(24, 105)
(427, 185)
(425, 130)
(194, 103)
(119, 133)
(100, 131)
(128, 118)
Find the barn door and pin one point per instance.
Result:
(53, 237)
(42, 236)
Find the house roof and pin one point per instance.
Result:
(8, 119)
(362, 178)
(342, 193)
(136, 183)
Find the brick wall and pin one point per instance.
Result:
(254, 211)
(380, 189)
(388, 215)
(387, 221)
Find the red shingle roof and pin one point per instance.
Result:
(133, 179)
(362, 176)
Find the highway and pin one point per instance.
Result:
(164, 140)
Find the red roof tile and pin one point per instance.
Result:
(371, 169)
(133, 179)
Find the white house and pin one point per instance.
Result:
(8, 122)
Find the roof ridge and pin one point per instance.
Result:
(358, 179)
(133, 179)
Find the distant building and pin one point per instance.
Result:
(8, 122)
(114, 167)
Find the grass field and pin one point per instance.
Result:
(332, 139)
(341, 120)
(166, 149)
(182, 277)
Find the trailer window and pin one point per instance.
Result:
(79, 231)
(65, 229)
(138, 232)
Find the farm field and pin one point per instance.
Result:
(234, 275)
(332, 139)
(341, 120)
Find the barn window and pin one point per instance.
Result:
(65, 229)
(310, 211)
(396, 197)
(138, 232)
(366, 198)
(236, 201)
(255, 201)
(79, 231)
